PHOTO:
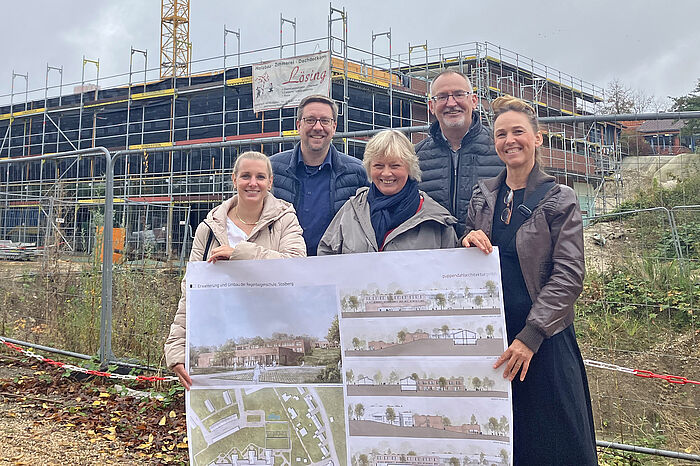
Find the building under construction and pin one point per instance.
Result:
(373, 91)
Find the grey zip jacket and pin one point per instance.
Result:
(350, 231)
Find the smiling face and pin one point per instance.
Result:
(389, 174)
(451, 113)
(516, 140)
(252, 182)
(316, 138)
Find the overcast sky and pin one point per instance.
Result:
(649, 45)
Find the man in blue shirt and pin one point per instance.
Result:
(314, 176)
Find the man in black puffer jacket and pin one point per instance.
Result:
(459, 150)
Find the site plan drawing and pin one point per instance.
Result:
(353, 360)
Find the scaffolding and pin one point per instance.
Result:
(374, 89)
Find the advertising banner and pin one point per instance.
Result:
(284, 82)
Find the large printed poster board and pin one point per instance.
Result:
(362, 360)
(284, 82)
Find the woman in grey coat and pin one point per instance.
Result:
(391, 214)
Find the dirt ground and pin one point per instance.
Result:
(38, 423)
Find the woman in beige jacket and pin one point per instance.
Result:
(253, 224)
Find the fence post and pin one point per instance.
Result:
(106, 353)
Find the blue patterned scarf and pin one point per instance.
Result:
(388, 212)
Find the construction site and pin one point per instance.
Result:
(136, 160)
(161, 194)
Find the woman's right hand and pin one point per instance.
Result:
(479, 239)
(182, 374)
(220, 253)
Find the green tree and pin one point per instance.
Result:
(390, 415)
(329, 374)
(401, 336)
(359, 411)
(503, 425)
(415, 377)
(478, 300)
(493, 425)
(334, 332)
(412, 453)
(445, 330)
(504, 456)
(440, 300)
(489, 331)
(353, 302)
(446, 421)
(476, 383)
(442, 381)
(487, 383)
(350, 376)
(258, 341)
(492, 289)
(689, 102)
(378, 377)
(363, 460)
(226, 354)
(473, 421)
(393, 378)
(356, 343)
(454, 461)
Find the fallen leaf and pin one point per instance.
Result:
(172, 414)
(104, 395)
(162, 421)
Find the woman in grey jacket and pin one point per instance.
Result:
(537, 227)
(253, 224)
(391, 214)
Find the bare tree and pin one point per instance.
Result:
(621, 98)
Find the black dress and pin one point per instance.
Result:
(552, 416)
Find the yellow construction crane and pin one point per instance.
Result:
(175, 45)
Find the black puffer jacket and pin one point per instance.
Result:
(348, 174)
(452, 186)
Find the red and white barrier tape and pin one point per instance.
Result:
(640, 373)
(145, 378)
(71, 367)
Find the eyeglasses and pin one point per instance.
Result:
(325, 122)
(508, 210)
(459, 96)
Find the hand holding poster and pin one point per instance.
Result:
(331, 360)
(284, 82)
